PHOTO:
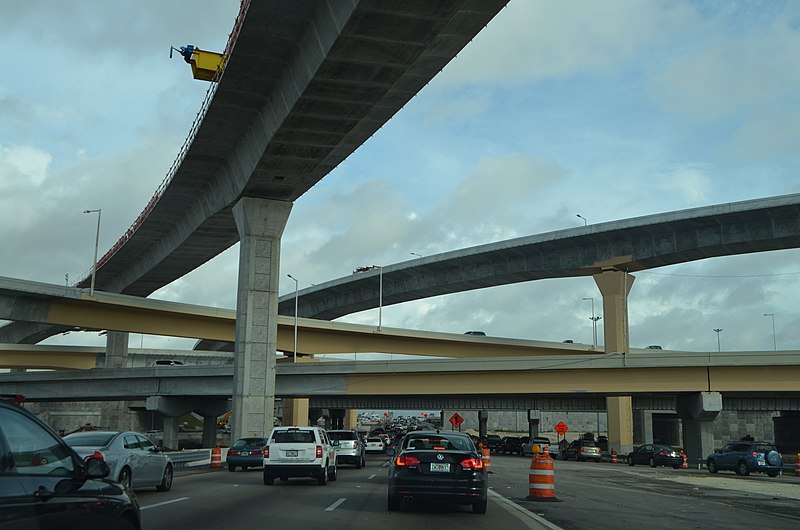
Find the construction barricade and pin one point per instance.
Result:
(797, 465)
(541, 478)
(685, 463)
(216, 457)
(614, 456)
(486, 457)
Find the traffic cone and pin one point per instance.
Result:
(216, 457)
(614, 457)
(486, 456)
(797, 465)
(541, 478)
(685, 464)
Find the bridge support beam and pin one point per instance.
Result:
(697, 412)
(534, 417)
(295, 412)
(615, 286)
(116, 349)
(172, 408)
(483, 419)
(620, 423)
(260, 224)
(351, 419)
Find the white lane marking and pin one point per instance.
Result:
(522, 511)
(371, 477)
(163, 503)
(335, 504)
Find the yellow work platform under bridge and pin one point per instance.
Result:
(205, 65)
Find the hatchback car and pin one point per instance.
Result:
(245, 453)
(655, 455)
(135, 461)
(298, 451)
(350, 449)
(581, 450)
(45, 484)
(375, 444)
(745, 457)
(437, 467)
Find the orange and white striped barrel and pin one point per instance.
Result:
(486, 457)
(797, 465)
(541, 479)
(685, 463)
(216, 457)
(614, 456)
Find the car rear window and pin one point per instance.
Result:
(89, 439)
(342, 435)
(440, 443)
(252, 442)
(588, 444)
(294, 436)
(762, 448)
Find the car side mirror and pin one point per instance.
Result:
(390, 451)
(96, 468)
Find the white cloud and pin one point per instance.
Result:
(23, 162)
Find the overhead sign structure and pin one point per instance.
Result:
(456, 420)
(561, 428)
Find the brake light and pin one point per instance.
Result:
(439, 448)
(97, 454)
(406, 461)
(355, 444)
(233, 452)
(582, 449)
(472, 463)
(319, 451)
(754, 453)
(257, 452)
(662, 453)
(266, 452)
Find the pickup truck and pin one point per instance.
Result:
(542, 442)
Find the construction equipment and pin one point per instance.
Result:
(205, 64)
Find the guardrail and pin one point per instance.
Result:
(190, 458)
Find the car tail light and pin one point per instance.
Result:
(663, 453)
(439, 448)
(97, 454)
(319, 451)
(754, 453)
(582, 449)
(355, 444)
(233, 452)
(266, 452)
(406, 461)
(472, 463)
(257, 452)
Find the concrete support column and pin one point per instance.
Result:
(171, 424)
(260, 224)
(620, 423)
(643, 427)
(351, 419)
(534, 417)
(295, 412)
(209, 431)
(615, 286)
(483, 418)
(116, 349)
(697, 412)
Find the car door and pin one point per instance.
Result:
(135, 458)
(726, 457)
(644, 454)
(154, 459)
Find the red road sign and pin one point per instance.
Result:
(561, 428)
(456, 420)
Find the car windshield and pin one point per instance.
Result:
(588, 444)
(89, 439)
(761, 448)
(342, 435)
(438, 443)
(293, 436)
(245, 442)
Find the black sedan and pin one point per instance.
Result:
(437, 467)
(246, 452)
(655, 455)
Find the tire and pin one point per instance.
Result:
(125, 478)
(772, 473)
(166, 479)
(742, 469)
(676, 466)
(773, 458)
(332, 474)
(124, 524)
(652, 462)
(268, 480)
(480, 506)
(393, 503)
(711, 465)
(630, 460)
(322, 478)
(231, 468)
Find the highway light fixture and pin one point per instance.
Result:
(294, 360)
(415, 254)
(584, 219)
(719, 348)
(774, 339)
(99, 213)
(594, 320)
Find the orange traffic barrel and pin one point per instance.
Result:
(797, 465)
(614, 456)
(541, 478)
(486, 457)
(216, 457)
(685, 463)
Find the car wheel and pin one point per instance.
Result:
(480, 506)
(268, 480)
(124, 524)
(332, 474)
(231, 468)
(630, 461)
(393, 503)
(742, 469)
(322, 479)
(125, 478)
(772, 473)
(676, 466)
(712, 466)
(166, 480)
(652, 462)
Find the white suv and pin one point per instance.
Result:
(299, 452)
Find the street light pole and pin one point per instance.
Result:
(774, 339)
(415, 254)
(584, 219)
(294, 360)
(99, 213)
(719, 348)
(380, 296)
(594, 320)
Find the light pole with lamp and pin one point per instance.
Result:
(99, 213)
(294, 360)
(415, 254)
(594, 320)
(774, 340)
(584, 219)
(719, 348)
(380, 295)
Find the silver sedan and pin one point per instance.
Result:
(134, 460)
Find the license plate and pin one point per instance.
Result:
(244, 453)
(440, 468)
(291, 453)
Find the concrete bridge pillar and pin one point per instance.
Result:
(351, 419)
(483, 419)
(295, 412)
(170, 439)
(260, 224)
(643, 427)
(534, 417)
(172, 408)
(615, 286)
(697, 412)
(620, 423)
(116, 349)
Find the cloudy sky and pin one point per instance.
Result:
(609, 110)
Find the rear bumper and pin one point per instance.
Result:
(250, 461)
(423, 489)
(292, 470)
